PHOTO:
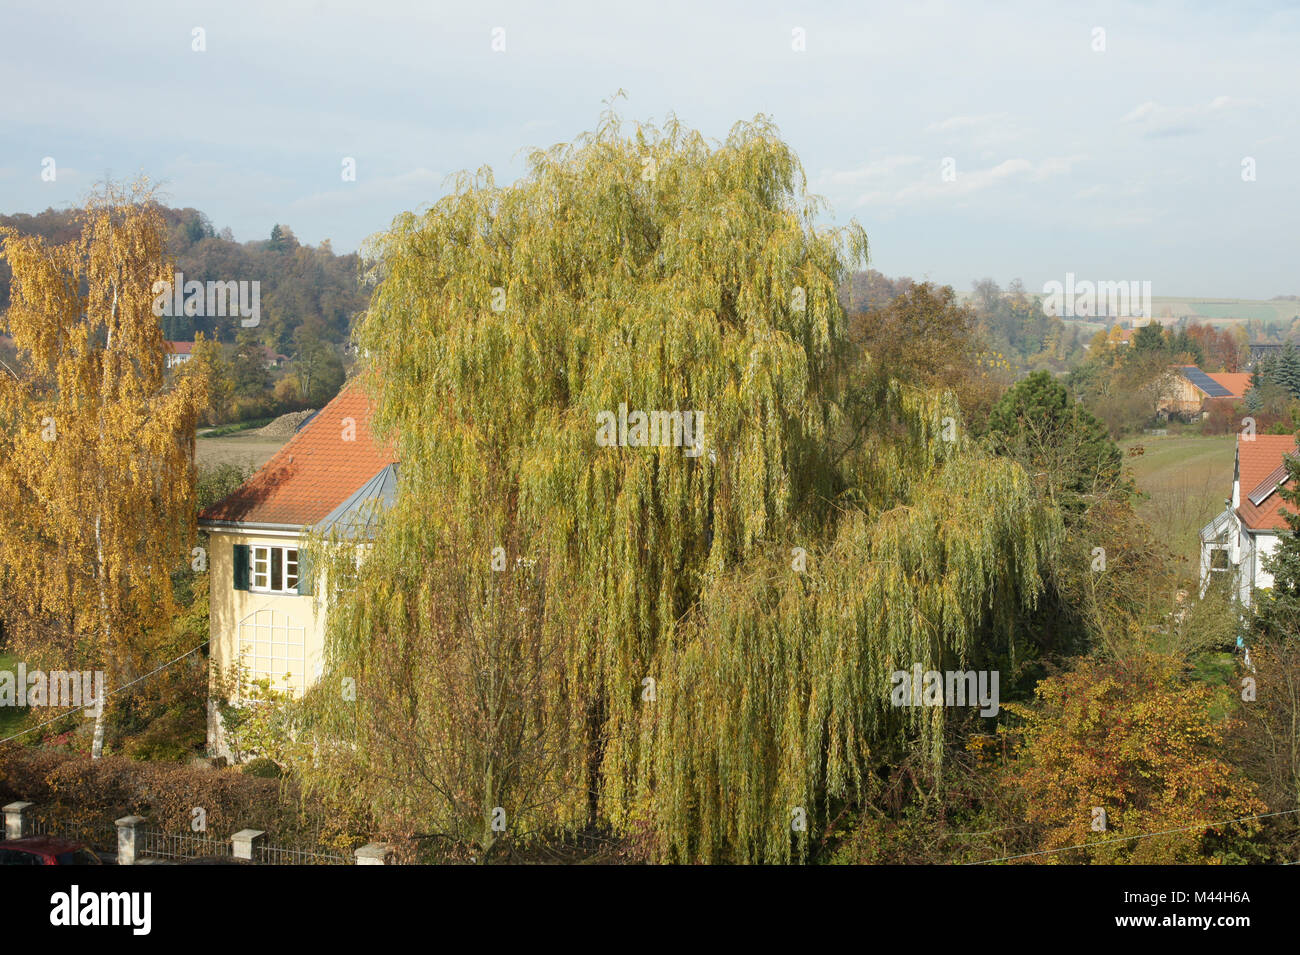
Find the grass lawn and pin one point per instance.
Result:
(10, 716)
(1186, 479)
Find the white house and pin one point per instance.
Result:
(1236, 542)
(179, 353)
(331, 476)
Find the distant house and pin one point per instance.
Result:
(273, 358)
(1236, 542)
(178, 353)
(332, 477)
(1190, 388)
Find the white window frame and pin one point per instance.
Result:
(264, 560)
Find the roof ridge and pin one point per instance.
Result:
(314, 471)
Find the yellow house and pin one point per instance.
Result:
(263, 617)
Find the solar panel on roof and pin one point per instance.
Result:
(1269, 484)
(1207, 384)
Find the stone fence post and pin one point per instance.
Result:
(244, 841)
(17, 820)
(128, 834)
(374, 853)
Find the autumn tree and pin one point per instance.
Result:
(248, 367)
(317, 367)
(728, 605)
(1120, 763)
(923, 336)
(96, 444)
(220, 378)
(1268, 745)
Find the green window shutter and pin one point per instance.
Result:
(241, 566)
(304, 574)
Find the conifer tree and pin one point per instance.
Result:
(1287, 373)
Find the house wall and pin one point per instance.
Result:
(1245, 567)
(1181, 397)
(1247, 550)
(1265, 545)
(275, 622)
(1249, 556)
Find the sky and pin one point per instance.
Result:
(1012, 140)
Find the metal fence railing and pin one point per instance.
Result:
(275, 855)
(154, 843)
(101, 836)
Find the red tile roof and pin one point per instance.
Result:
(181, 348)
(1256, 460)
(1236, 382)
(314, 473)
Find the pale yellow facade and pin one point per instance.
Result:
(276, 636)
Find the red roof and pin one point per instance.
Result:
(315, 472)
(1256, 461)
(1236, 382)
(181, 348)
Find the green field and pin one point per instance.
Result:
(11, 717)
(1185, 479)
(1271, 312)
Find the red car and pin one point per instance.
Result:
(46, 850)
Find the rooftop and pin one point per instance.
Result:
(333, 456)
(1218, 384)
(1259, 461)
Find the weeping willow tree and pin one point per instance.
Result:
(714, 626)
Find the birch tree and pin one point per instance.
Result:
(96, 444)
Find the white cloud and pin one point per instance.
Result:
(1140, 113)
(876, 169)
(933, 187)
(966, 122)
(1160, 119)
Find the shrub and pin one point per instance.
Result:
(262, 768)
(71, 789)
